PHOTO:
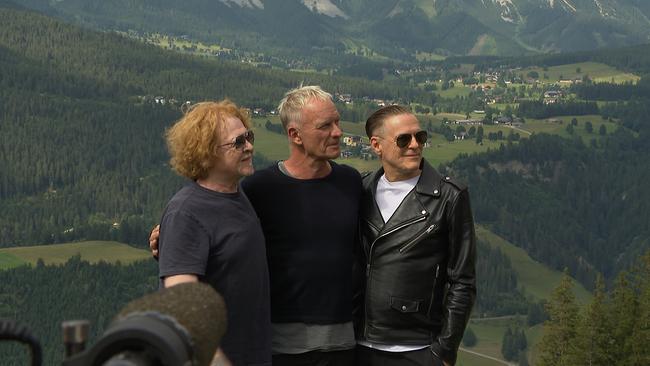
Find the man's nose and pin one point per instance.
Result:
(337, 131)
(413, 143)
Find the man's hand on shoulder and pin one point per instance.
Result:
(153, 241)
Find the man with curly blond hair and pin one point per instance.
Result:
(209, 231)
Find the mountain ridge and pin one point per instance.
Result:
(394, 28)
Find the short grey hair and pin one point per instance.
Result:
(290, 107)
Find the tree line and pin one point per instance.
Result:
(567, 204)
(43, 296)
(613, 329)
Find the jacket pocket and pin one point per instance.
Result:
(405, 305)
(411, 243)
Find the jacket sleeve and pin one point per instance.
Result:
(461, 278)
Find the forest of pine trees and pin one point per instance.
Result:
(43, 296)
(568, 204)
(613, 329)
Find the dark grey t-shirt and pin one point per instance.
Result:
(217, 236)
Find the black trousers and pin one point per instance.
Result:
(367, 356)
(317, 358)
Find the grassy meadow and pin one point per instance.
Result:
(489, 333)
(596, 71)
(558, 125)
(91, 251)
(537, 281)
(457, 91)
(468, 359)
(534, 278)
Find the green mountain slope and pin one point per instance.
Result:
(534, 278)
(565, 203)
(81, 146)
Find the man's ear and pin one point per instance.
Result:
(375, 145)
(294, 135)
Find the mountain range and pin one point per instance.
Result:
(394, 29)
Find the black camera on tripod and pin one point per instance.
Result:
(178, 326)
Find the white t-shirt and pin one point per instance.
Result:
(391, 194)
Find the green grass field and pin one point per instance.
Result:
(456, 91)
(468, 359)
(165, 41)
(442, 151)
(91, 251)
(426, 56)
(441, 116)
(489, 334)
(352, 128)
(596, 71)
(9, 260)
(554, 128)
(536, 279)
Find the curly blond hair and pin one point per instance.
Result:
(192, 141)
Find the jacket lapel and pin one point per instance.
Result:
(371, 213)
(411, 207)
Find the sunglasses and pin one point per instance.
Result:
(404, 139)
(240, 141)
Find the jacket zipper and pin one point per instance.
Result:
(433, 289)
(415, 240)
(403, 225)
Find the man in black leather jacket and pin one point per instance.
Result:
(418, 245)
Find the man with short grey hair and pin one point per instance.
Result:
(308, 207)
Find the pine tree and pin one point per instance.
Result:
(523, 359)
(592, 343)
(623, 309)
(507, 345)
(559, 331)
(521, 340)
(570, 129)
(535, 314)
(640, 338)
(602, 130)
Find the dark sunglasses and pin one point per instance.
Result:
(404, 139)
(240, 141)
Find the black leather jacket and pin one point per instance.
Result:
(420, 278)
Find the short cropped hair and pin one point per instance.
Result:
(376, 120)
(192, 141)
(290, 107)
